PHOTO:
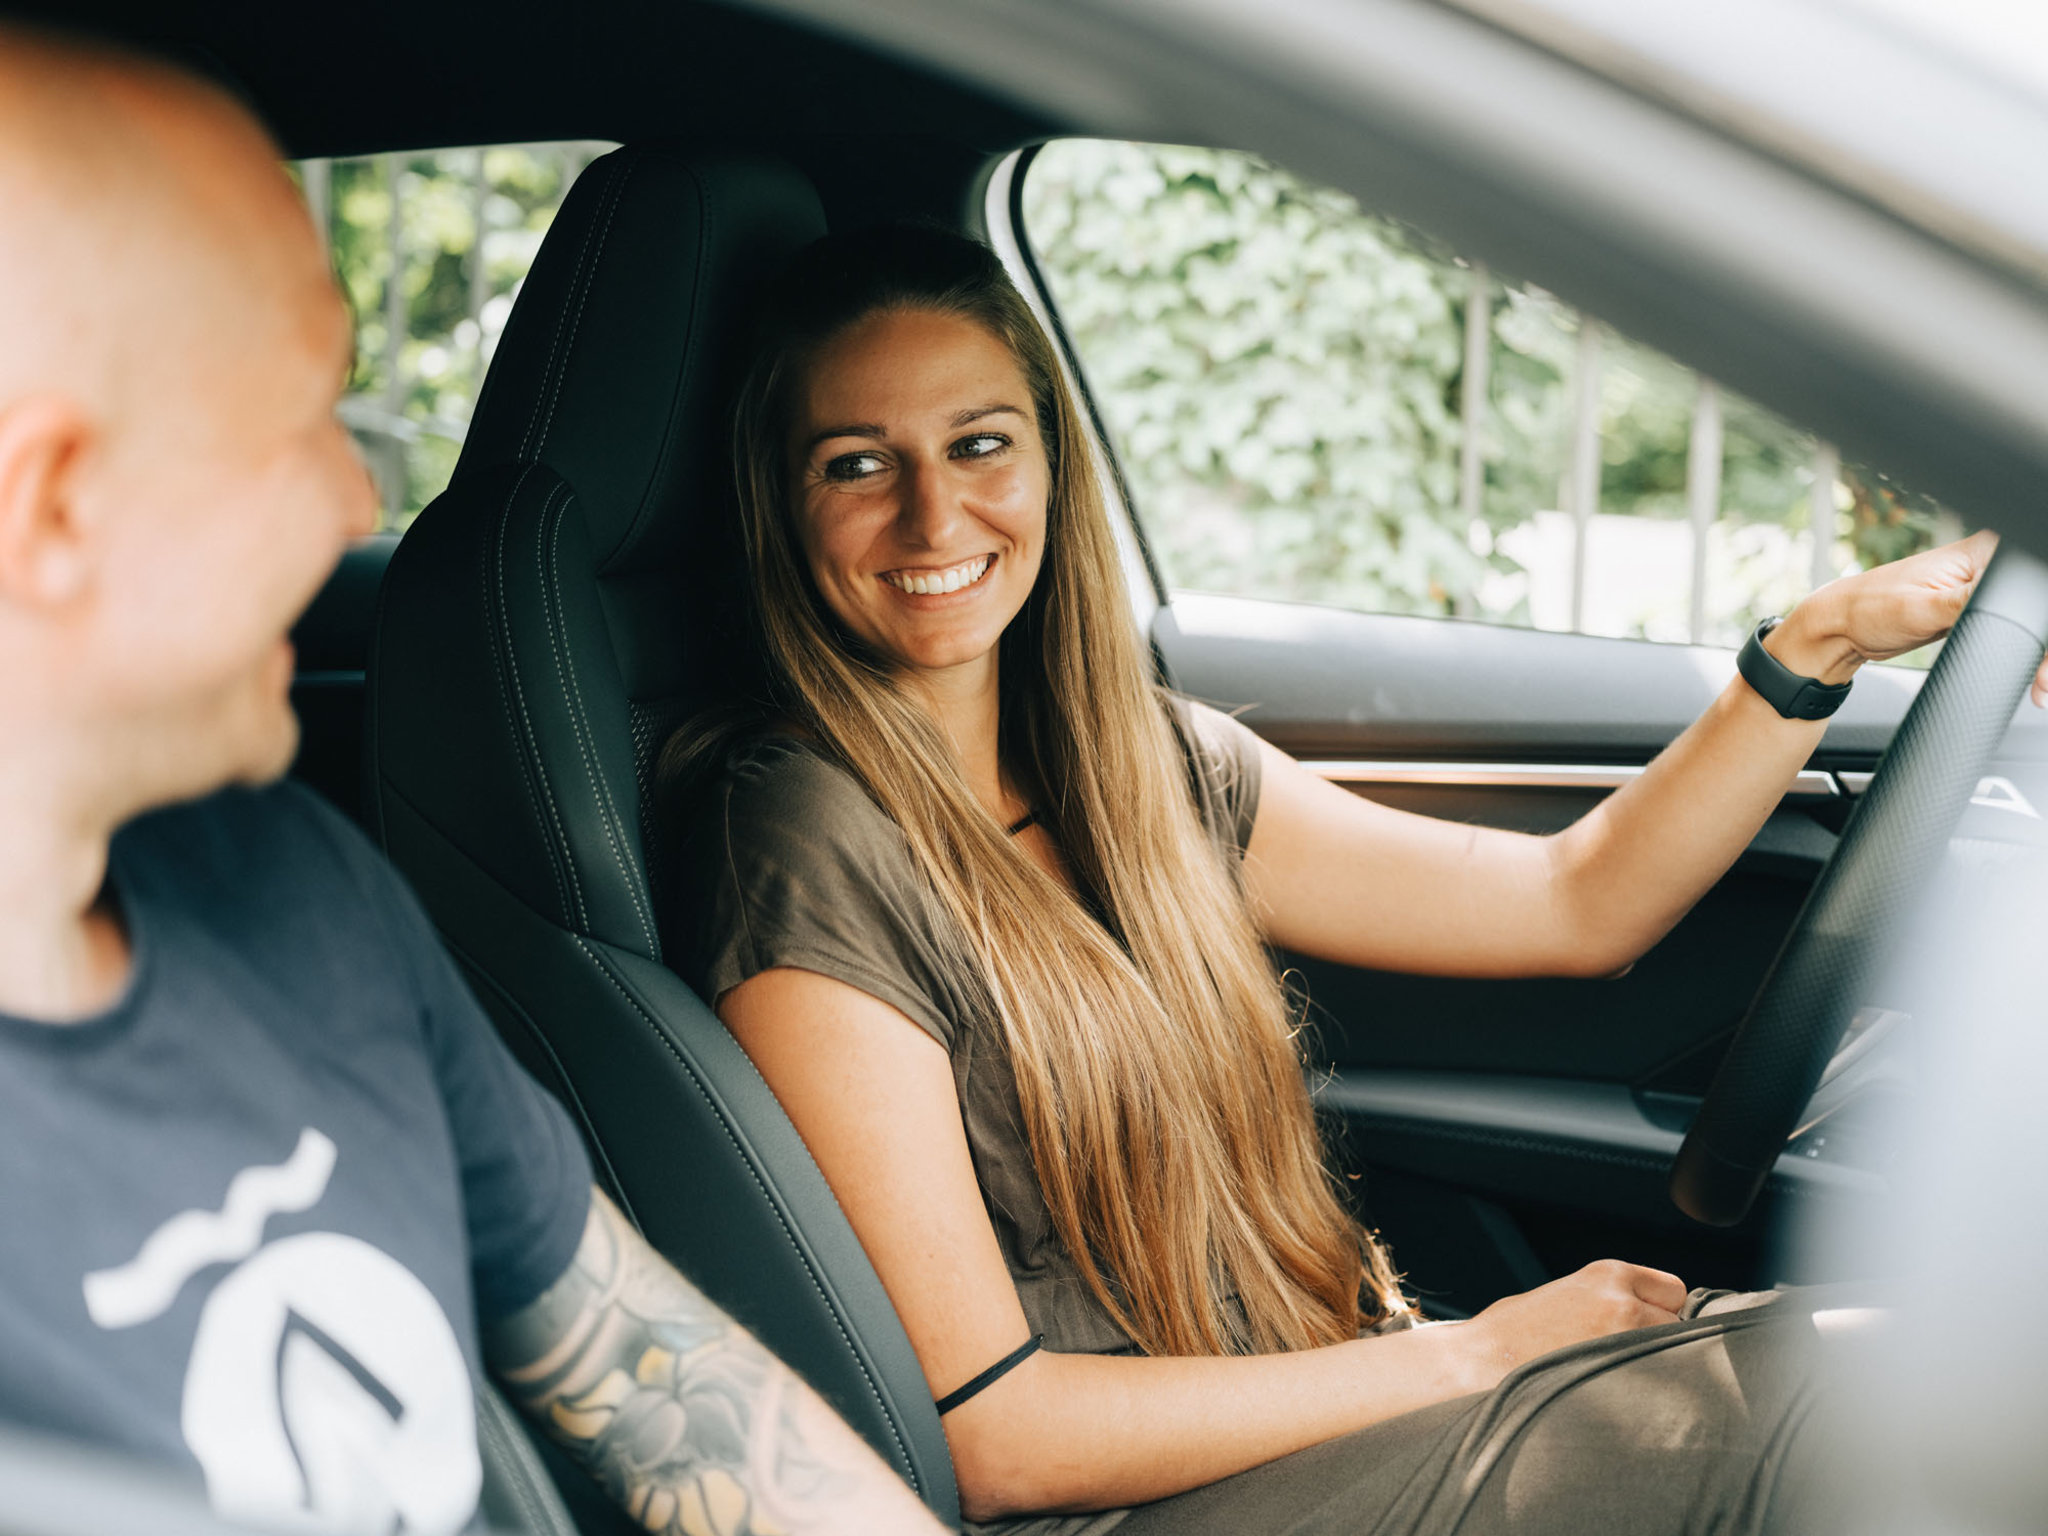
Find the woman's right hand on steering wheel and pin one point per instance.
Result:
(1607, 1296)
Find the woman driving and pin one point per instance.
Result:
(992, 913)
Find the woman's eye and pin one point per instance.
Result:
(980, 446)
(853, 466)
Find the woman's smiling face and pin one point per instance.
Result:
(920, 485)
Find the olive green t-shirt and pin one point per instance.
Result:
(787, 861)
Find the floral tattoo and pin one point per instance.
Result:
(678, 1413)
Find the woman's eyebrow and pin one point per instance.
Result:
(865, 429)
(875, 433)
(979, 411)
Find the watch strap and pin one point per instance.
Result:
(1791, 695)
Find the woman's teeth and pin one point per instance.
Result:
(952, 579)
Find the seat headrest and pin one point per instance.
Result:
(616, 368)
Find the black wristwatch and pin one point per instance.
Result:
(1793, 696)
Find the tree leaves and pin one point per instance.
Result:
(1283, 371)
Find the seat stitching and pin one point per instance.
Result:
(498, 667)
(532, 738)
(579, 724)
(536, 1515)
(616, 195)
(775, 1206)
(555, 343)
(650, 493)
(481, 978)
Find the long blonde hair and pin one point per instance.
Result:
(1160, 1081)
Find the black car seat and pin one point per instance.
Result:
(536, 639)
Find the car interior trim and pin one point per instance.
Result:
(1002, 220)
(1590, 1121)
(1810, 783)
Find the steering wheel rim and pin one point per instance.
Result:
(1838, 941)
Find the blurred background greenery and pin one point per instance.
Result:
(430, 249)
(1284, 375)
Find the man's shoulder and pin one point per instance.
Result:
(257, 855)
(281, 830)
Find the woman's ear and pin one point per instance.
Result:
(48, 537)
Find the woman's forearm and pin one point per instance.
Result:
(1628, 870)
(1078, 1432)
(1343, 879)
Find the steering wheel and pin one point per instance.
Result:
(1843, 932)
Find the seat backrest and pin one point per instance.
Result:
(541, 629)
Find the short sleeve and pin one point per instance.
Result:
(526, 1177)
(1225, 766)
(789, 863)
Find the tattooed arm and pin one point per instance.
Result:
(675, 1409)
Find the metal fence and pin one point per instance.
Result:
(1581, 494)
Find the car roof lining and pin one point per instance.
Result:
(461, 72)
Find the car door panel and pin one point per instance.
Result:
(1648, 1024)
(1487, 1183)
(1599, 1148)
(1328, 682)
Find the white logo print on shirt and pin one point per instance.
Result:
(325, 1387)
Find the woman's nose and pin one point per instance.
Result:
(930, 507)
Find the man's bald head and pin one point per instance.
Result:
(173, 482)
(148, 219)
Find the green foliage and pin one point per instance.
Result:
(1646, 409)
(1527, 442)
(1283, 375)
(1886, 520)
(1279, 370)
(467, 225)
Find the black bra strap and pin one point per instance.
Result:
(992, 1375)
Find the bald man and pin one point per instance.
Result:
(272, 1189)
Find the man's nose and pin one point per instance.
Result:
(931, 505)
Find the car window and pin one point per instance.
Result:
(430, 249)
(1314, 403)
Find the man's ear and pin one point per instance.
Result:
(46, 539)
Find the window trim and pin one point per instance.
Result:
(1003, 216)
(1809, 783)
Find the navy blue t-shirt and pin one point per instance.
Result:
(249, 1216)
